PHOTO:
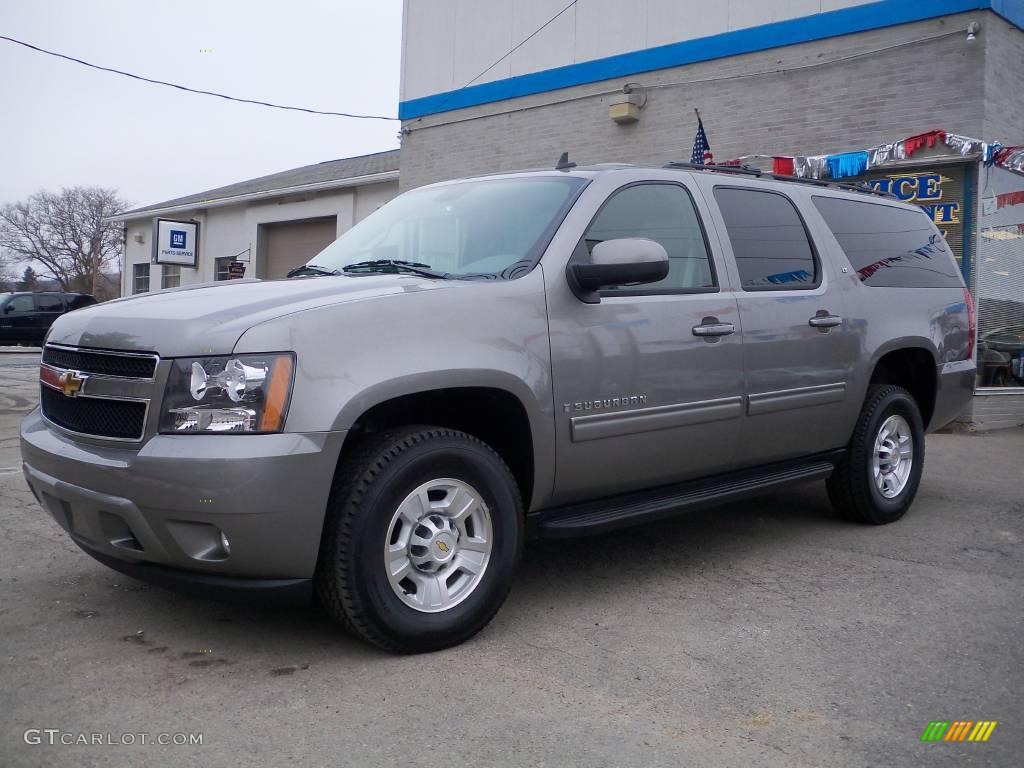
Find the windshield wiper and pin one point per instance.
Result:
(312, 269)
(396, 265)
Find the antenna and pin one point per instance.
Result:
(563, 163)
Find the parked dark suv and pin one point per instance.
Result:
(26, 317)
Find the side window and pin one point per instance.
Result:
(665, 213)
(771, 245)
(888, 246)
(170, 276)
(140, 278)
(77, 302)
(47, 302)
(221, 268)
(20, 304)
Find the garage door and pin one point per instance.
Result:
(291, 244)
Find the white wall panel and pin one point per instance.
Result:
(665, 19)
(428, 48)
(607, 27)
(448, 42)
(752, 13)
(551, 48)
(834, 5)
(483, 33)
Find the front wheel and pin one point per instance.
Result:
(877, 479)
(423, 534)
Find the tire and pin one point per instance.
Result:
(376, 495)
(852, 488)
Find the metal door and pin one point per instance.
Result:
(648, 382)
(798, 351)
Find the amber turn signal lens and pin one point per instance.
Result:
(277, 395)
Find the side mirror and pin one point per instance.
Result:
(8, 309)
(625, 261)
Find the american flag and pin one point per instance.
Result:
(700, 144)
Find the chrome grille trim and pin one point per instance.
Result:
(110, 355)
(103, 386)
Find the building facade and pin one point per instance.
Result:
(493, 85)
(258, 228)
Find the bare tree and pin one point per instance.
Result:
(66, 233)
(7, 278)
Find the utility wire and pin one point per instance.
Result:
(519, 45)
(193, 90)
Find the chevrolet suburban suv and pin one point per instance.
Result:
(550, 353)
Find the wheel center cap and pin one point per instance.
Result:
(442, 549)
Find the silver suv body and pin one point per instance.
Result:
(566, 352)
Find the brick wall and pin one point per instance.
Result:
(879, 96)
(1004, 81)
(994, 409)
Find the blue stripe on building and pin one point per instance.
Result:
(846, 21)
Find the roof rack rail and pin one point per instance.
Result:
(864, 188)
(747, 170)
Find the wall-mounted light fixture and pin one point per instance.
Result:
(624, 108)
(139, 237)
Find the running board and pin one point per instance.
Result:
(591, 517)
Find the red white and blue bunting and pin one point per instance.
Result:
(851, 164)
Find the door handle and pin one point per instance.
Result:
(824, 320)
(711, 328)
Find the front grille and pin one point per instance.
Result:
(104, 363)
(122, 419)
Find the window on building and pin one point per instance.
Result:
(221, 272)
(140, 278)
(769, 241)
(889, 246)
(170, 276)
(664, 213)
(49, 302)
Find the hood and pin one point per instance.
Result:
(209, 318)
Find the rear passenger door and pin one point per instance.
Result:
(797, 349)
(49, 306)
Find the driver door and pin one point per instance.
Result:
(17, 317)
(643, 396)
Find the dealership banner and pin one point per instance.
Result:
(176, 242)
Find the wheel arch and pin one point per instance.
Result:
(493, 406)
(911, 364)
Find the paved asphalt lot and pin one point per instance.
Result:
(768, 633)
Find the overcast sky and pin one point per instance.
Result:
(63, 124)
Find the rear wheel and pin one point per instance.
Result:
(422, 539)
(877, 479)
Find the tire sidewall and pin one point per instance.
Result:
(443, 457)
(895, 403)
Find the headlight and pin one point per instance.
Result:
(243, 393)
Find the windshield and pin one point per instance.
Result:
(465, 228)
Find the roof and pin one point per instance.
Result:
(320, 175)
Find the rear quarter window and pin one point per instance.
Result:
(890, 247)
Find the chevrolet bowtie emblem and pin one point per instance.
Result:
(70, 383)
(442, 546)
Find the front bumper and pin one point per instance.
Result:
(156, 512)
